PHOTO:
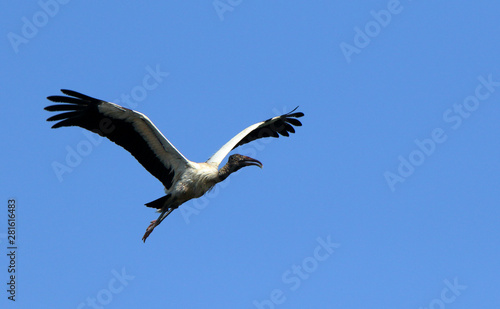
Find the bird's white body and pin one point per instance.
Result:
(197, 179)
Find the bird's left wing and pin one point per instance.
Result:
(273, 127)
(127, 128)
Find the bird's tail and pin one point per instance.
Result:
(158, 203)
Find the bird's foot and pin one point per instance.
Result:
(150, 229)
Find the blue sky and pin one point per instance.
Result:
(386, 197)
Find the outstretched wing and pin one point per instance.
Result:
(127, 128)
(273, 127)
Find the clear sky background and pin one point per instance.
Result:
(386, 197)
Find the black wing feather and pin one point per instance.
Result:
(84, 112)
(274, 127)
(64, 116)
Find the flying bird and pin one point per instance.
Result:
(183, 179)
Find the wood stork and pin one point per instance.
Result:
(182, 178)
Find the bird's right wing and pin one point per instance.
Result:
(127, 128)
(273, 127)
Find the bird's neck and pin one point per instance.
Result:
(224, 172)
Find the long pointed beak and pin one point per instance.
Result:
(250, 161)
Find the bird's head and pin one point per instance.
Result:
(238, 161)
(235, 162)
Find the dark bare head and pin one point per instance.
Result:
(234, 163)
